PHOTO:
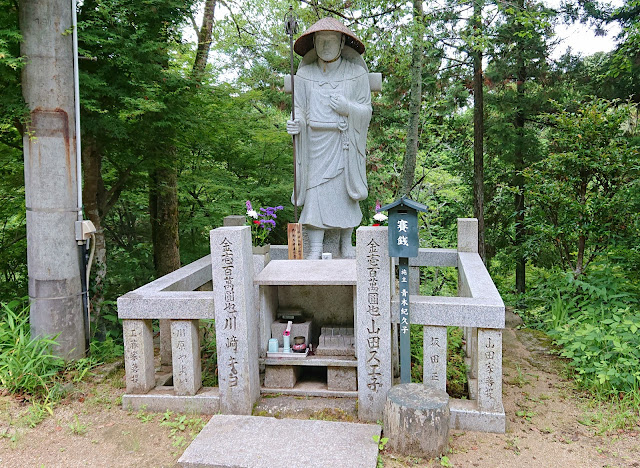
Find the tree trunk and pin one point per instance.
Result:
(478, 130)
(410, 155)
(163, 208)
(519, 165)
(93, 193)
(204, 39)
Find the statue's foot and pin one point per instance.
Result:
(316, 238)
(347, 250)
(315, 252)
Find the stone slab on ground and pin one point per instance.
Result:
(262, 442)
(161, 399)
(285, 406)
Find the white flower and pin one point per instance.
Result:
(252, 214)
(380, 217)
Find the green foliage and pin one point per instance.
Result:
(209, 354)
(26, 365)
(456, 368)
(605, 355)
(580, 191)
(382, 443)
(595, 323)
(183, 428)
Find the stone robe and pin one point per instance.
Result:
(331, 175)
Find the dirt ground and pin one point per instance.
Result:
(548, 425)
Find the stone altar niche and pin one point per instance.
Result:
(248, 290)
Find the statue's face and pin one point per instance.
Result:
(328, 44)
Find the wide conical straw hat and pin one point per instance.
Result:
(305, 42)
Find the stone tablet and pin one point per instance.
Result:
(236, 319)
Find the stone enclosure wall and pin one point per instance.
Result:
(360, 293)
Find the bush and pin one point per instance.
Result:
(595, 322)
(26, 366)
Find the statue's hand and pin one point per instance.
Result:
(339, 104)
(293, 127)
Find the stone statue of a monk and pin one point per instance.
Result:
(333, 110)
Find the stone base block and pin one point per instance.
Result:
(416, 420)
(161, 399)
(342, 378)
(281, 376)
(465, 416)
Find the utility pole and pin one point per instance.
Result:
(51, 179)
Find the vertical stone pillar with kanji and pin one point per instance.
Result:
(490, 370)
(236, 319)
(435, 357)
(138, 355)
(373, 321)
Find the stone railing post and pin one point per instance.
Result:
(434, 358)
(236, 319)
(187, 366)
(373, 321)
(138, 355)
(468, 242)
(489, 353)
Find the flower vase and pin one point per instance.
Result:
(261, 249)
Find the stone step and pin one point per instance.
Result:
(261, 442)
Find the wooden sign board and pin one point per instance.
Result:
(294, 235)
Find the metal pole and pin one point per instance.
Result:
(76, 96)
(291, 29)
(405, 334)
(82, 245)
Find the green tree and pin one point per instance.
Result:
(517, 70)
(580, 192)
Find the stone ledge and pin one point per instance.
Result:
(435, 258)
(320, 361)
(452, 311)
(308, 272)
(161, 399)
(466, 416)
(309, 389)
(187, 278)
(176, 305)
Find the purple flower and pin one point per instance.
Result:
(248, 203)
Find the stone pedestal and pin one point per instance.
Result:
(185, 351)
(236, 319)
(373, 321)
(138, 355)
(416, 420)
(342, 379)
(281, 376)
